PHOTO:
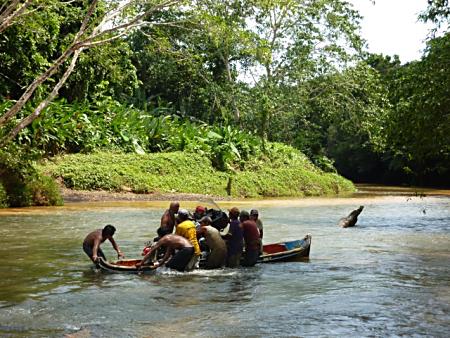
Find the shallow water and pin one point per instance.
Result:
(389, 276)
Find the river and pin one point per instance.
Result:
(388, 276)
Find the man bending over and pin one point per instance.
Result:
(178, 249)
(91, 244)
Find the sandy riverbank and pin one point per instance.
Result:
(105, 196)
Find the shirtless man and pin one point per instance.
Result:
(177, 247)
(91, 244)
(168, 220)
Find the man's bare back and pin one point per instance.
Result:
(93, 237)
(168, 218)
(91, 244)
(171, 243)
(174, 242)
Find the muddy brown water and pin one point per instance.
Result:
(388, 276)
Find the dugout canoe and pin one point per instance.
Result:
(123, 266)
(288, 251)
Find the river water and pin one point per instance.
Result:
(388, 276)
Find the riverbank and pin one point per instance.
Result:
(72, 196)
(362, 190)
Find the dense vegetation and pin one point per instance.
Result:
(184, 172)
(220, 79)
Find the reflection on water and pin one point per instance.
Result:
(389, 276)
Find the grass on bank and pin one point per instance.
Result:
(182, 172)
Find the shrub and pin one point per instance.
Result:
(45, 191)
(3, 197)
(185, 172)
(22, 183)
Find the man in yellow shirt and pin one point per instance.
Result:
(187, 229)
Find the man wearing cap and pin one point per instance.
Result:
(254, 217)
(199, 212)
(186, 229)
(234, 239)
(218, 249)
(251, 238)
(168, 220)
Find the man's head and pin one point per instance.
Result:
(254, 214)
(108, 231)
(183, 215)
(199, 210)
(174, 207)
(244, 216)
(206, 220)
(233, 213)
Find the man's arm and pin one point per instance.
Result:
(228, 235)
(95, 248)
(149, 253)
(164, 220)
(165, 258)
(116, 247)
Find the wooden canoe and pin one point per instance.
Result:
(286, 251)
(123, 266)
(277, 252)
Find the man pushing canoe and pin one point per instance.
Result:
(91, 244)
(178, 249)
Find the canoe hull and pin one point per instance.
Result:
(290, 251)
(287, 251)
(124, 266)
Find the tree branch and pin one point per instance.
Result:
(50, 71)
(30, 118)
(7, 18)
(75, 48)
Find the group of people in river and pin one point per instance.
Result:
(184, 239)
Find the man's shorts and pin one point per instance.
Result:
(234, 261)
(88, 250)
(180, 260)
(250, 258)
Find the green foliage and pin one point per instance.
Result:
(193, 173)
(22, 184)
(31, 44)
(104, 71)
(3, 197)
(438, 12)
(372, 120)
(83, 127)
(44, 191)
(149, 173)
(418, 128)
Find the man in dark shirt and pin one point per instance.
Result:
(254, 216)
(234, 239)
(252, 239)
